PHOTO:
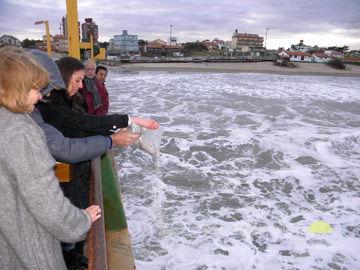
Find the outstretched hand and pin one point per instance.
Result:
(124, 138)
(148, 123)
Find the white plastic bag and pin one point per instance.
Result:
(149, 139)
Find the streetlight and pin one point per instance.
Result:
(48, 43)
(266, 36)
(170, 38)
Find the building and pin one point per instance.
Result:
(65, 26)
(320, 57)
(88, 28)
(246, 42)
(296, 56)
(221, 44)
(159, 48)
(61, 43)
(42, 46)
(353, 57)
(334, 54)
(9, 40)
(211, 46)
(301, 47)
(124, 43)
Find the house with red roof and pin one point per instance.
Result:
(320, 58)
(298, 56)
(160, 48)
(210, 45)
(334, 54)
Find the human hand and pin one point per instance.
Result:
(124, 138)
(148, 123)
(94, 212)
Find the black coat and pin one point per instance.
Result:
(57, 110)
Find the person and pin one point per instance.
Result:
(94, 92)
(35, 215)
(71, 150)
(101, 74)
(60, 111)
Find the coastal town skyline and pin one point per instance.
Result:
(324, 23)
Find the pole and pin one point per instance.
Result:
(170, 39)
(266, 36)
(48, 43)
(92, 47)
(73, 28)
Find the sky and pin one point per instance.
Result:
(318, 22)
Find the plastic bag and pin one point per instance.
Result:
(149, 139)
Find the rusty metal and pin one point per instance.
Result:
(97, 238)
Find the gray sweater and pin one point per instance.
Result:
(70, 150)
(35, 215)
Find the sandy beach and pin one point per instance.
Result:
(307, 69)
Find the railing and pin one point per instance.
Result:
(109, 241)
(97, 237)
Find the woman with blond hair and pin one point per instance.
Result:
(35, 215)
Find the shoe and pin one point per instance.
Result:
(83, 261)
(71, 260)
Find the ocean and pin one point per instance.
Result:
(248, 163)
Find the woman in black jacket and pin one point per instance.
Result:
(61, 110)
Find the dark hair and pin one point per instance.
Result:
(100, 67)
(67, 66)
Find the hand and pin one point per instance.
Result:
(148, 123)
(94, 212)
(124, 138)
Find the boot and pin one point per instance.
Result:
(83, 261)
(71, 259)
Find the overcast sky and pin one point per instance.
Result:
(317, 22)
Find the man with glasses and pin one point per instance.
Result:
(94, 92)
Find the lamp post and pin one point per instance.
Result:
(266, 36)
(48, 43)
(170, 38)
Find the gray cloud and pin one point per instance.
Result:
(326, 22)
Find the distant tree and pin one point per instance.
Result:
(103, 44)
(27, 43)
(336, 63)
(190, 47)
(142, 43)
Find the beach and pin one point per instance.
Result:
(306, 69)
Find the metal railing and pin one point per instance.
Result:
(97, 237)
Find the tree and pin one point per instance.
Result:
(190, 47)
(103, 44)
(27, 43)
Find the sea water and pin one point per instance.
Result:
(248, 162)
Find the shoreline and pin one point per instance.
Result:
(302, 69)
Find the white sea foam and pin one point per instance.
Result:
(248, 162)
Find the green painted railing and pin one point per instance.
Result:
(113, 208)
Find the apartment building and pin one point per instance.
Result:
(247, 42)
(88, 28)
(124, 43)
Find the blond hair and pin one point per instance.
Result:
(19, 73)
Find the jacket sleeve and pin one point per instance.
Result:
(70, 150)
(62, 115)
(39, 189)
(104, 109)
